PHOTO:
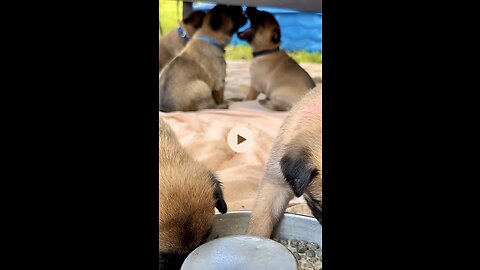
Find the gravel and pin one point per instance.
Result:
(308, 255)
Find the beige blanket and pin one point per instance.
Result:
(204, 135)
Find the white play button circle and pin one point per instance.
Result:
(240, 139)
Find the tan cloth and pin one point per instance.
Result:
(204, 135)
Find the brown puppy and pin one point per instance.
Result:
(172, 43)
(294, 167)
(188, 194)
(272, 71)
(195, 79)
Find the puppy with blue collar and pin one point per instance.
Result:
(172, 43)
(195, 79)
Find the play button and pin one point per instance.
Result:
(240, 139)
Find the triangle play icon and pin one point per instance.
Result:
(240, 139)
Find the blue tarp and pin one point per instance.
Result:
(300, 30)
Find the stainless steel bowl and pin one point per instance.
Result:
(291, 226)
(240, 252)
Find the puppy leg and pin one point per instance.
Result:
(218, 95)
(272, 200)
(252, 94)
(205, 103)
(201, 96)
(222, 106)
(276, 104)
(234, 99)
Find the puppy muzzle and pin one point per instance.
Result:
(247, 34)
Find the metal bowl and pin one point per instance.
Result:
(240, 252)
(291, 226)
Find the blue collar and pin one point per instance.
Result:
(182, 34)
(211, 41)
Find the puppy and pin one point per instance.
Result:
(294, 167)
(272, 71)
(188, 194)
(172, 43)
(195, 79)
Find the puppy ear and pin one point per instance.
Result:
(201, 16)
(315, 207)
(195, 18)
(298, 170)
(220, 203)
(254, 15)
(188, 19)
(276, 35)
(216, 20)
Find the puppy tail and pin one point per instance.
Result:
(220, 203)
(298, 169)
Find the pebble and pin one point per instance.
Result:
(319, 253)
(310, 253)
(304, 252)
(302, 249)
(294, 243)
(307, 265)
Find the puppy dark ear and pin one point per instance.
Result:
(216, 20)
(298, 170)
(201, 16)
(251, 9)
(188, 19)
(276, 35)
(195, 18)
(220, 203)
(315, 207)
(254, 15)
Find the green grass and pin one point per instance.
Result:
(245, 52)
(171, 13)
(238, 52)
(306, 57)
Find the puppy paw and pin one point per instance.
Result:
(221, 106)
(275, 105)
(234, 99)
